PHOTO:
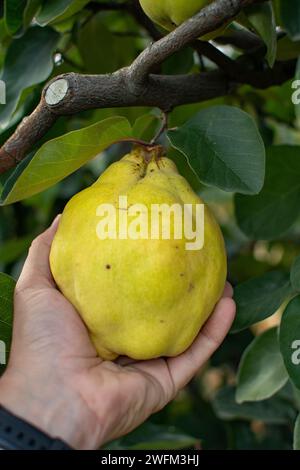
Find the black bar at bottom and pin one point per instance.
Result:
(142, 459)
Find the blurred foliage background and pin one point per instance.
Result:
(64, 36)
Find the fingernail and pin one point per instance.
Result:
(56, 220)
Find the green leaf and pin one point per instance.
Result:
(290, 15)
(290, 339)
(18, 15)
(30, 11)
(296, 443)
(28, 62)
(295, 274)
(13, 12)
(271, 213)
(7, 287)
(275, 410)
(60, 157)
(224, 148)
(118, 51)
(11, 250)
(262, 19)
(261, 371)
(59, 10)
(287, 49)
(13, 175)
(179, 63)
(145, 126)
(259, 298)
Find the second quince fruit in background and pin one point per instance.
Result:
(171, 13)
(142, 298)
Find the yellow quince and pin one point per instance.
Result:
(142, 296)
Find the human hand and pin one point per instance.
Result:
(56, 381)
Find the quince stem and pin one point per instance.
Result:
(163, 127)
(151, 152)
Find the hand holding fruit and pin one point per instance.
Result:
(56, 380)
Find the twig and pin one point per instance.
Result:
(163, 127)
(244, 40)
(231, 67)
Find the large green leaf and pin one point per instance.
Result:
(224, 148)
(290, 339)
(290, 15)
(11, 250)
(60, 157)
(59, 10)
(259, 298)
(118, 52)
(13, 11)
(7, 286)
(18, 15)
(30, 11)
(275, 410)
(13, 175)
(262, 19)
(28, 62)
(296, 443)
(261, 371)
(145, 126)
(272, 212)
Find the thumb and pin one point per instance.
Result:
(36, 271)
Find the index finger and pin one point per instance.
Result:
(36, 271)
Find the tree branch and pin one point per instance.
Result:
(241, 70)
(245, 40)
(30, 131)
(137, 86)
(208, 19)
(105, 91)
(231, 67)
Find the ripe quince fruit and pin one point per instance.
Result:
(171, 13)
(144, 297)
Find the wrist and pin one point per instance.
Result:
(57, 411)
